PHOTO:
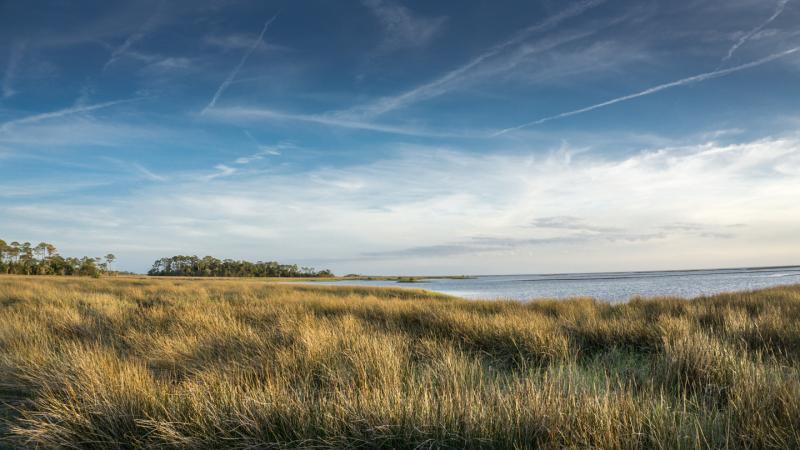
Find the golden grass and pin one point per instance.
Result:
(183, 363)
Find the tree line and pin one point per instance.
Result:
(209, 266)
(43, 259)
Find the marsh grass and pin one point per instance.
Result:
(182, 363)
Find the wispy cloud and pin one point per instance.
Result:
(135, 168)
(570, 223)
(703, 230)
(557, 66)
(62, 112)
(257, 156)
(239, 66)
(260, 114)
(71, 135)
(473, 246)
(147, 173)
(659, 88)
(43, 189)
(480, 245)
(263, 150)
(222, 170)
(118, 52)
(442, 84)
(576, 232)
(168, 65)
(12, 67)
(231, 42)
(402, 28)
(748, 35)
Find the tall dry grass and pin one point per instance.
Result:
(126, 363)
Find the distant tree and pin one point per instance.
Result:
(110, 258)
(4, 248)
(26, 259)
(26, 251)
(13, 251)
(209, 266)
(100, 265)
(43, 259)
(40, 250)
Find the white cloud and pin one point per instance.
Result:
(448, 210)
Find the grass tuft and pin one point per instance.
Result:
(182, 363)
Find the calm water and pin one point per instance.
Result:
(615, 287)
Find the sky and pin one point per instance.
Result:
(405, 137)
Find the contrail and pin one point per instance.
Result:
(64, 112)
(435, 87)
(653, 90)
(778, 10)
(146, 27)
(238, 67)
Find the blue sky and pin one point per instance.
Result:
(388, 136)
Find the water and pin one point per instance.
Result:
(611, 286)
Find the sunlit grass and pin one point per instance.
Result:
(185, 363)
